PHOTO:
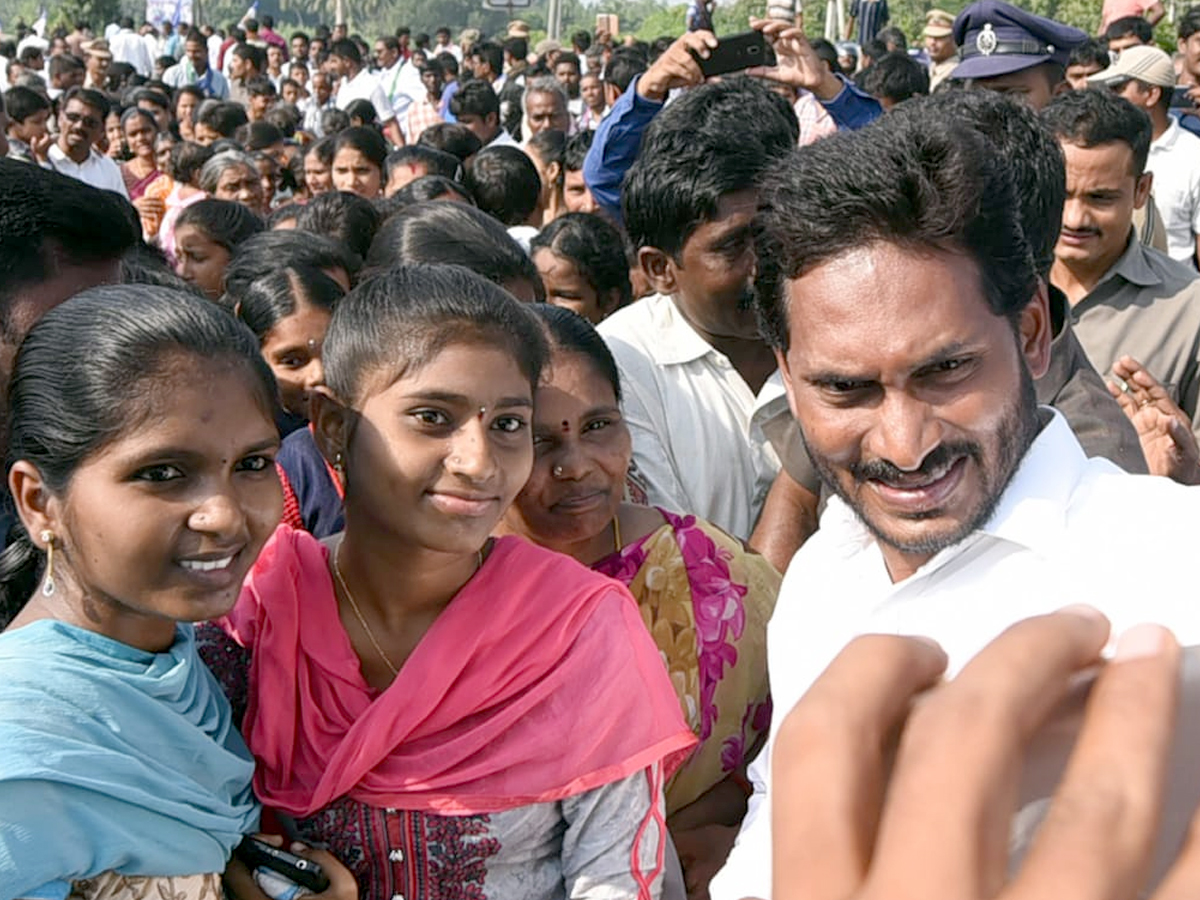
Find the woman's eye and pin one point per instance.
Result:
(293, 362)
(256, 463)
(598, 424)
(158, 474)
(431, 417)
(509, 424)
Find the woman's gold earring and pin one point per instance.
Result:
(47, 537)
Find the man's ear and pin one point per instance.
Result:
(659, 269)
(1034, 331)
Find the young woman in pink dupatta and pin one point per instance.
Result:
(452, 715)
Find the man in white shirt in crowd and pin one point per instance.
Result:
(1145, 76)
(358, 83)
(194, 69)
(442, 44)
(129, 47)
(399, 79)
(80, 125)
(693, 365)
(478, 108)
(909, 330)
(320, 99)
(97, 58)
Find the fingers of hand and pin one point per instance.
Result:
(946, 826)
(1098, 838)
(828, 763)
(342, 884)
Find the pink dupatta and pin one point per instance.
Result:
(539, 681)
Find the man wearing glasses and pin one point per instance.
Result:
(80, 125)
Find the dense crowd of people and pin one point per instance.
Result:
(488, 473)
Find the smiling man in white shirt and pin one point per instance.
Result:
(80, 125)
(910, 327)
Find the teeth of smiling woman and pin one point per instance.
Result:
(212, 565)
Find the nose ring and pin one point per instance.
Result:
(557, 471)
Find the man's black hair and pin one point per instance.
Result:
(260, 135)
(828, 54)
(23, 102)
(698, 150)
(88, 97)
(334, 120)
(577, 149)
(875, 50)
(261, 86)
(920, 183)
(567, 57)
(345, 217)
(490, 53)
(475, 98)
(224, 117)
(1189, 22)
(517, 47)
(346, 49)
(453, 138)
(581, 40)
(1022, 140)
(1092, 52)
(256, 56)
(894, 36)
(624, 66)
(1092, 118)
(64, 63)
(436, 162)
(505, 184)
(895, 77)
(47, 219)
(1126, 25)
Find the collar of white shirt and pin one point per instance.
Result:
(675, 340)
(1031, 513)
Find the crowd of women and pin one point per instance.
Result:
(328, 532)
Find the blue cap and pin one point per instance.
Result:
(996, 38)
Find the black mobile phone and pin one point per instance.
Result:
(258, 854)
(736, 53)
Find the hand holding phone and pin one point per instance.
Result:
(736, 53)
(304, 873)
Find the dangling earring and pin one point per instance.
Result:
(339, 465)
(47, 537)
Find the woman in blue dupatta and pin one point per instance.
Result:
(140, 461)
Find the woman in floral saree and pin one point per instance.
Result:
(705, 598)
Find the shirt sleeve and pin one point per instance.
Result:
(616, 146)
(655, 462)
(615, 842)
(853, 107)
(383, 109)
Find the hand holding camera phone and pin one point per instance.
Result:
(279, 874)
(737, 53)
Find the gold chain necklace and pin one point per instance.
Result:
(337, 570)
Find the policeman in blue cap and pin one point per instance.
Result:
(1011, 50)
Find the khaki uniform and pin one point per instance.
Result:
(1147, 306)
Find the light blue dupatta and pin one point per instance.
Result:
(112, 758)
